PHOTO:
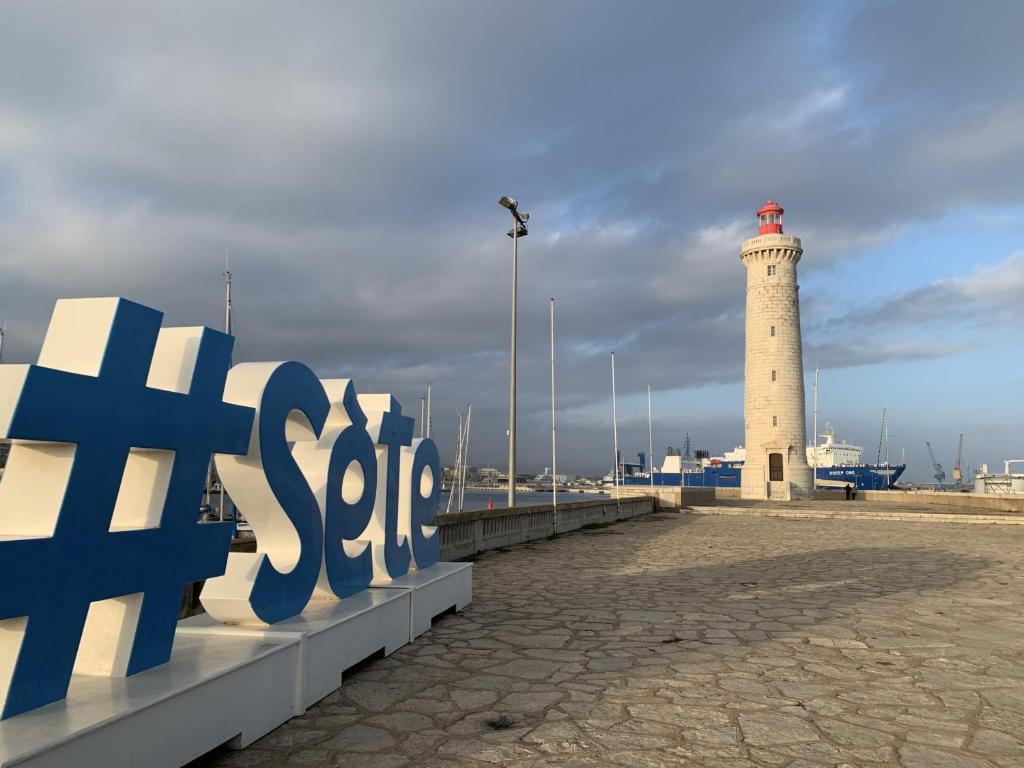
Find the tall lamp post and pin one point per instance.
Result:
(518, 230)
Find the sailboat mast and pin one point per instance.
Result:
(650, 439)
(615, 434)
(227, 298)
(429, 423)
(886, 440)
(456, 475)
(465, 457)
(227, 330)
(554, 444)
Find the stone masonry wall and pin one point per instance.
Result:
(463, 534)
(976, 501)
(773, 407)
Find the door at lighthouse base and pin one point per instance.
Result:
(778, 487)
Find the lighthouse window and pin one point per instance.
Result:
(771, 270)
(775, 421)
(774, 375)
(773, 330)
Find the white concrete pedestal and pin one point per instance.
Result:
(228, 684)
(332, 635)
(215, 690)
(436, 589)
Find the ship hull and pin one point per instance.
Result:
(862, 477)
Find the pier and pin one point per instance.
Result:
(675, 639)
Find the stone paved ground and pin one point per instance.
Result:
(707, 641)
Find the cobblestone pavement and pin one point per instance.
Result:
(706, 641)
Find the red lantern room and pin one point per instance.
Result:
(769, 218)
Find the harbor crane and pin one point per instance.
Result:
(939, 472)
(958, 475)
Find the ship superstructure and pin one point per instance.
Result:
(836, 464)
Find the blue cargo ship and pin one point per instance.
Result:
(837, 464)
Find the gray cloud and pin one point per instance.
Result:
(987, 296)
(349, 158)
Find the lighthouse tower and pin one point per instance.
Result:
(773, 391)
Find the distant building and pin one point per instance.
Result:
(490, 475)
(545, 478)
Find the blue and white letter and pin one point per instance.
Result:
(275, 582)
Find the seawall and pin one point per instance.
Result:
(464, 534)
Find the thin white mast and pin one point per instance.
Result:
(430, 425)
(814, 471)
(227, 297)
(554, 444)
(227, 330)
(885, 422)
(615, 434)
(458, 466)
(465, 457)
(423, 416)
(650, 439)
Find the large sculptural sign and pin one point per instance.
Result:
(111, 436)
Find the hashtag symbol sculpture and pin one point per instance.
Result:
(112, 434)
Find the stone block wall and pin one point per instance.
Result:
(666, 495)
(976, 501)
(773, 389)
(691, 496)
(464, 534)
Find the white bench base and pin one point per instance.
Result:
(228, 684)
(333, 635)
(215, 690)
(436, 589)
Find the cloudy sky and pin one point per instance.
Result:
(349, 157)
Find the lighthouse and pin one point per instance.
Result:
(773, 390)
